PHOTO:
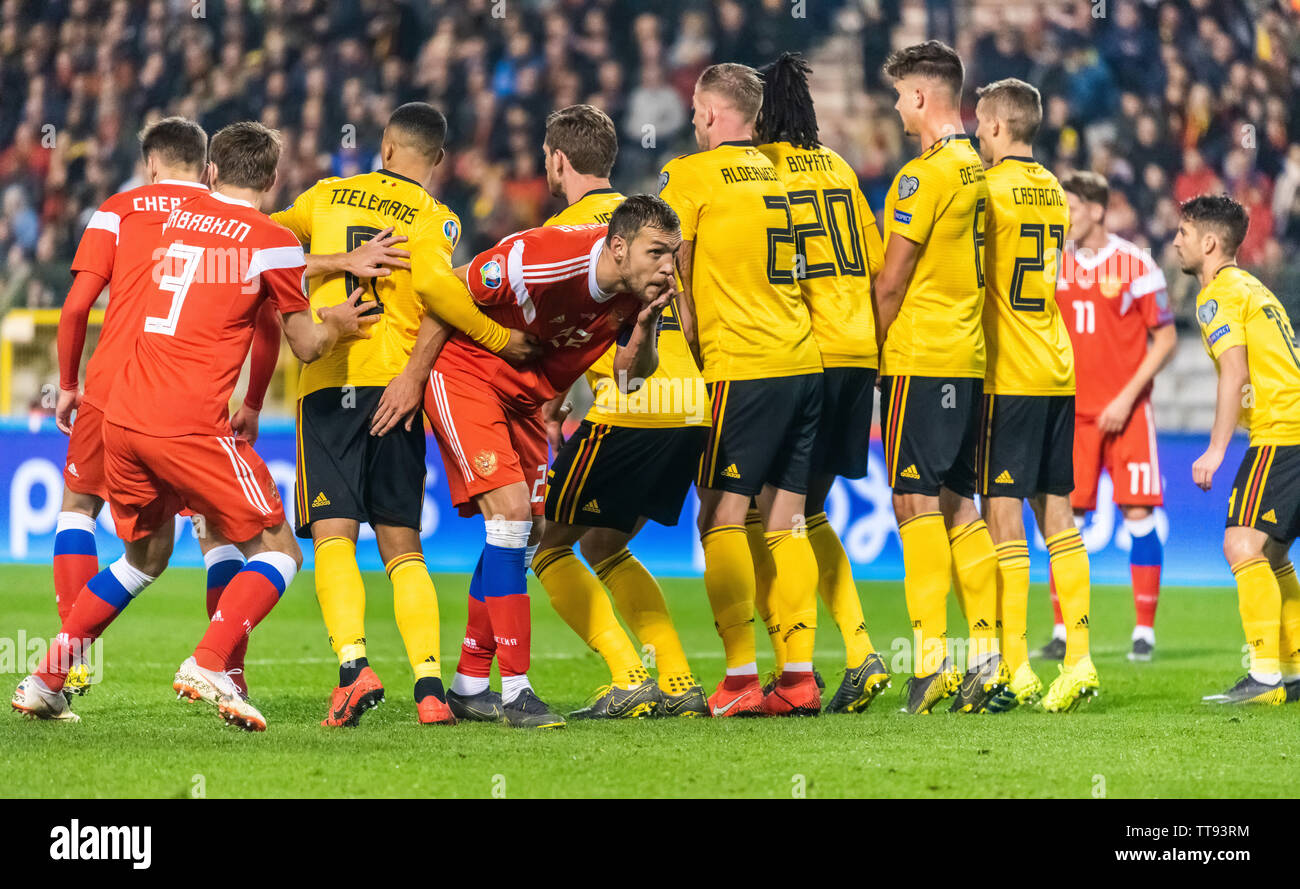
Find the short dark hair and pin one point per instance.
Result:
(788, 114)
(425, 125)
(1090, 186)
(739, 84)
(1228, 218)
(246, 155)
(177, 141)
(1016, 102)
(640, 211)
(587, 137)
(933, 59)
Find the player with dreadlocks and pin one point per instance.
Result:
(838, 251)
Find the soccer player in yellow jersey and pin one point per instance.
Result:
(1248, 335)
(360, 445)
(1026, 447)
(744, 318)
(632, 459)
(839, 245)
(929, 303)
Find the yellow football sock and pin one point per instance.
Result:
(1013, 601)
(1289, 650)
(837, 589)
(415, 605)
(1069, 559)
(729, 582)
(765, 602)
(1259, 599)
(342, 596)
(579, 598)
(796, 593)
(927, 567)
(639, 599)
(975, 565)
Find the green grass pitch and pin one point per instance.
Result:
(1148, 735)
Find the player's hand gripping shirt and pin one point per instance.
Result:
(118, 246)
(835, 235)
(1109, 301)
(1235, 309)
(542, 280)
(1029, 350)
(674, 395)
(218, 259)
(339, 215)
(752, 320)
(939, 201)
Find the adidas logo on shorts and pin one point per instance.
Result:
(321, 500)
(1270, 516)
(731, 472)
(1004, 478)
(592, 506)
(910, 472)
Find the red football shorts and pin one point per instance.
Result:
(1129, 456)
(220, 478)
(485, 443)
(83, 471)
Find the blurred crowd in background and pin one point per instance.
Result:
(1167, 99)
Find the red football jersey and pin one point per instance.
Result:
(542, 280)
(1109, 299)
(216, 260)
(118, 246)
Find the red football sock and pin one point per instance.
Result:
(248, 598)
(479, 647)
(240, 650)
(1146, 592)
(739, 682)
(1056, 603)
(512, 630)
(85, 623)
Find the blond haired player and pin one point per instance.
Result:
(1025, 449)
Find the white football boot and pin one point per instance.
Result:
(35, 701)
(216, 687)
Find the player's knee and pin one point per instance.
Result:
(1238, 547)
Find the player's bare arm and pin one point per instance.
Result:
(262, 360)
(72, 340)
(889, 288)
(375, 258)
(402, 397)
(1234, 376)
(686, 302)
(311, 340)
(640, 357)
(1164, 341)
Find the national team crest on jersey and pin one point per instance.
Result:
(1205, 314)
(1110, 287)
(491, 272)
(907, 187)
(485, 462)
(451, 230)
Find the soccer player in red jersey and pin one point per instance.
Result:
(168, 441)
(578, 289)
(1113, 298)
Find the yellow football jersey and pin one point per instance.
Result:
(835, 236)
(939, 201)
(1029, 351)
(752, 320)
(1235, 309)
(675, 394)
(338, 215)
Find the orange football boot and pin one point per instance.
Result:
(747, 701)
(348, 704)
(434, 712)
(803, 698)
